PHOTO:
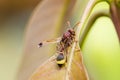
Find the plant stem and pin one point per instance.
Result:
(115, 15)
(85, 16)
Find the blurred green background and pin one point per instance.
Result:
(14, 15)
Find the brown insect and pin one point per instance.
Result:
(63, 44)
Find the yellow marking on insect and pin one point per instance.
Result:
(61, 61)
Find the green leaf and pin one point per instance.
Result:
(101, 51)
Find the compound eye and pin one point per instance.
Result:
(60, 57)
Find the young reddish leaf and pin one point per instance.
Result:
(46, 21)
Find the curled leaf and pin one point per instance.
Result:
(73, 69)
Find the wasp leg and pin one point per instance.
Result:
(68, 24)
(49, 41)
(77, 50)
(76, 25)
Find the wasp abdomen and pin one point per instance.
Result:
(60, 60)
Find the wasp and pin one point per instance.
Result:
(63, 43)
